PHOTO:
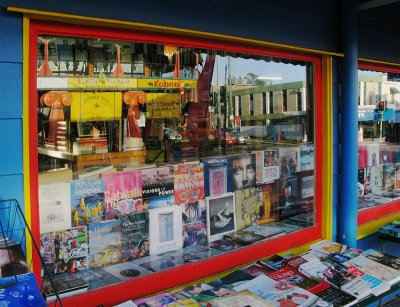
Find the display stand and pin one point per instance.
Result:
(15, 231)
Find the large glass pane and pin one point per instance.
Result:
(163, 155)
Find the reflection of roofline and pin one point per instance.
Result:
(270, 88)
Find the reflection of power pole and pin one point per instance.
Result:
(219, 147)
(229, 103)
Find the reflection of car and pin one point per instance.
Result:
(236, 138)
(172, 135)
(243, 139)
(230, 138)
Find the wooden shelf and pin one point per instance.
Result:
(114, 158)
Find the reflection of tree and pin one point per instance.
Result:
(252, 79)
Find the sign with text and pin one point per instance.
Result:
(161, 105)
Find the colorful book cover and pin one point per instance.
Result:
(271, 167)
(360, 183)
(288, 275)
(105, 243)
(289, 158)
(47, 251)
(25, 292)
(194, 216)
(71, 249)
(157, 181)
(220, 216)
(247, 208)
(54, 206)
(243, 169)
(159, 202)
(134, 235)
(159, 300)
(327, 247)
(87, 201)
(278, 294)
(268, 197)
(165, 229)
(307, 157)
(188, 182)
(383, 258)
(120, 187)
(217, 176)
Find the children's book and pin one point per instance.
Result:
(278, 294)
(71, 249)
(239, 299)
(120, 189)
(87, 201)
(105, 243)
(165, 229)
(327, 247)
(375, 269)
(217, 176)
(134, 235)
(247, 208)
(383, 258)
(54, 206)
(157, 181)
(188, 182)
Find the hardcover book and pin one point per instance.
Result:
(71, 249)
(247, 208)
(87, 201)
(105, 243)
(278, 294)
(165, 229)
(157, 181)
(217, 176)
(54, 206)
(289, 158)
(188, 182)
(120, 187)
(220, 216)
(243, 170)
(134, 235)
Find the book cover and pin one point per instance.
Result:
(288, 275)
(239, 299)
(379, 178)
(385, 154)
(217, 176)
(121, 187)
(362, 156)
(259, 157)
(54, 206)
(243, 170)
(278, 294)
(288, 198)
(255, 270)
(220, 216)
(389, 176)
(134, 235)
(360, 183)
(307, 156)
(47, 251)
(271, 169)
(363, 286)
(376, 269)
(247, 208)
(327, 247)
(22, 290)
(383, 258)
(194, 215)
(372, 154)
(105, 243)
(159, 300)
(126, 270)
(158, 202)
(369, 180)
(274, 262)
(66, 284)
(157, 181)
(289, 158)
(188, 182)
(71, 249)
(268, 197)
(295, 261)
(313, 268)
(165, 229)
(87, 201)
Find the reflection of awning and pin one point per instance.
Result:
(394, 90)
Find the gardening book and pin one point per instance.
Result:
(157, 181)
(54, 206)
(120, 189)
(217, 175)
(105, 243)
(87, 201)
(188, 182)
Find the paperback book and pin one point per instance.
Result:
(217, 176)
(105, 243)
(87, 201)
(383, 258)
(188, 182)
(119, 188)
(157, 181)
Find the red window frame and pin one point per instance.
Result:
(173, 277)
(391, 207)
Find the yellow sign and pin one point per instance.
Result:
(102, 82)
(162, 105)
(89, 106)
(166, 83)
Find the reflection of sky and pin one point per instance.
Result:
(241, 67)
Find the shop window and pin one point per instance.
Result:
(146, 153)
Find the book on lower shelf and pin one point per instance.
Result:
(383, 258)
(66, 284)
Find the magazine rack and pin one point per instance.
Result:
(14, 230)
